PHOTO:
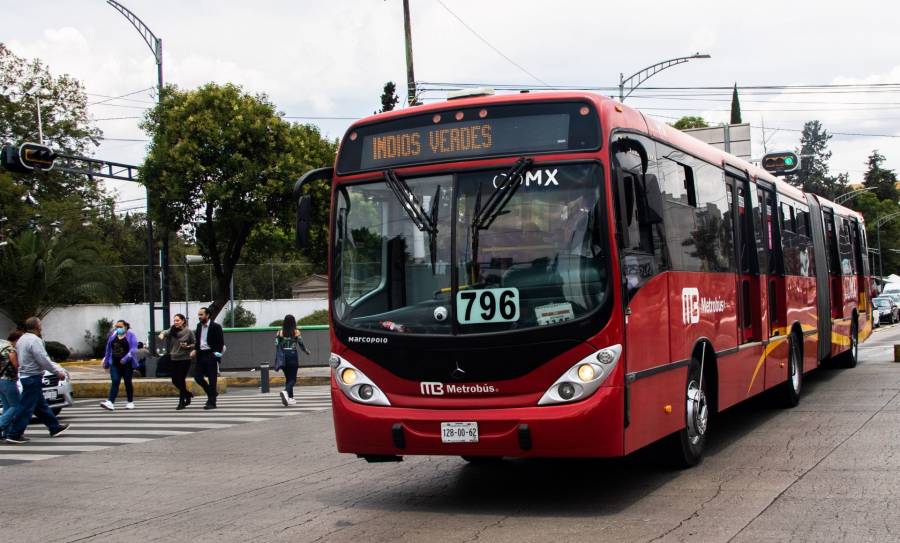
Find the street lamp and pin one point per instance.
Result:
(852, 194)
(635, 80)
(878, 222)
(155, 45)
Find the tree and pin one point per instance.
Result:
(64, 119)
(690, 121)
(389, 98)
(813, 174)
(882, 180)
(222, 164)
(40, 271)
(735, 107)
(872, 208)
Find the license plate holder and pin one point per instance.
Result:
(50, 394)
(459, 432)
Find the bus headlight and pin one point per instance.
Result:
(583, 378)
(355, 384)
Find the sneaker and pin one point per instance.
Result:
(62, 428)
(16, 440)
(284, 398)
(291, 401)
(209, 406)
(129, 405)
(108, 405)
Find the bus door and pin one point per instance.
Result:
(823, 285)
(749, 290)
(856, 238)
(775, 299)
(834, 266)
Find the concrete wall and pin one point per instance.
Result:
(68, 325)
(249, 348)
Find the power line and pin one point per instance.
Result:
(776, 129)
(499, 52)
(116, 118)
(120, 97)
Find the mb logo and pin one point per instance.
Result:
(690, 305)
(428, 388)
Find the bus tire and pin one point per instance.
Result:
(790, 390)
(851, 356)
(688, 443)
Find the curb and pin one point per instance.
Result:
(278, 381)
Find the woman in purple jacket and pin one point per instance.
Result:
(120, 361)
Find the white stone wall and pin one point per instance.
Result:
(68, 325)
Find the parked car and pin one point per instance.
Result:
(891, 287)
(888, 309)
(57, 393)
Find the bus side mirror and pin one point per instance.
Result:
(304, 214)
(304, 203)
(650, 207)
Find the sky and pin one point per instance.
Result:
(326, 62)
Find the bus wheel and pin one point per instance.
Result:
(689, 442)
(852, 355)
(790, 395)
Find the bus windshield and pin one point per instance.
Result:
(541, 260)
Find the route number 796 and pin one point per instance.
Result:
(487, 305)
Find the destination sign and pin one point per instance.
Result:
(467, 133)
(466, 139)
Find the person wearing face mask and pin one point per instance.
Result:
(120, 362)
(179, 343)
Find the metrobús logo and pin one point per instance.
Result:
(366, 339)
(692, 305)
(431, 388)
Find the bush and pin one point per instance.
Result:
(57, 351)
(277, 322)
(316, 317)
(243, 317)
(98, 341)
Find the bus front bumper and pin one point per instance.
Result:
(593, 427)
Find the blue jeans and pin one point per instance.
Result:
(33, 403)
(9, 396)
(117, 371)
(291, 366)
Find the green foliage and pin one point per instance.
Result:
(883, 181)
(813, 175)
(243, 317)
(222, 164)
(690, 121)
(39, 272)
(735, 107)
(57, 351)
(872, 209)
(98, 341)
(389, 98)
(320, 316)
(277, 322)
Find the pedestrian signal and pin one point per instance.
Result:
(781, 163)
(36, 157)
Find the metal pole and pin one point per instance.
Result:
(151, 295)
(231, 295)
(37, 99)
(166, 292)
(410, 77)
(880, 258)
(621, 87)
(187, 289)
(272, 270)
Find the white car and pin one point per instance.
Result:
(57, 393)
(876, 318)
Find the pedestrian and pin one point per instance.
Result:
(33, 360)
(142, 354)
(120, 362)
(287, 343)
(179, 343)
(210, 342)
(9, 375)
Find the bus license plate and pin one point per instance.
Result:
(49, 394)
(459, 432)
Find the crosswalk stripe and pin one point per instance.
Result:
(95, 429)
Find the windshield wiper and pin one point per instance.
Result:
(424, 221)
(484, 217)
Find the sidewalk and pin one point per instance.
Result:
(90, 380)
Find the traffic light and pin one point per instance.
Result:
(36, 157)
(781, 163)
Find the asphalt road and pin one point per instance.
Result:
(828, 470)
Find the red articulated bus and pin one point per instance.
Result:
(556, 274)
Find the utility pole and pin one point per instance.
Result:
(155, 45)
(410, 77)
(634, 80)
